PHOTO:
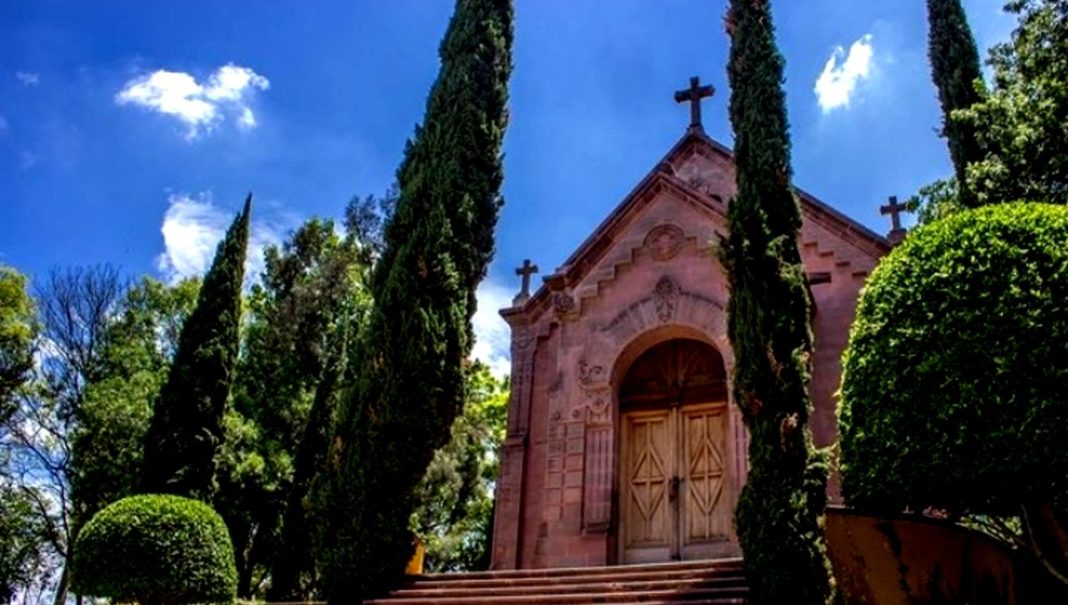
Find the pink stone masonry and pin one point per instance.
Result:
(647, 275)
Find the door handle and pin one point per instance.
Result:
(673, 489)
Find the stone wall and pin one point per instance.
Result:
(910, 561)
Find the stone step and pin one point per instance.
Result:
(630, 577)
(460, 581)
(739, 600)
(706, 595)
(729, 564)
(557, 586)
(715, 582)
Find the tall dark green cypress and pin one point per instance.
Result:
(955, 70)
(411, 358)
(186, 428)
(779, 513)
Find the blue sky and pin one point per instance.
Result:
(131, 130)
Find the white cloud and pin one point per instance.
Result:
(200, 107)
(28, 78)
(493, 337)
(192, 228)
(842, 73)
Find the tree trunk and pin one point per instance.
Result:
(64, 584)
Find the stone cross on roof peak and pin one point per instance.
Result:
(694, 94)
(525, 272)
(895, 209)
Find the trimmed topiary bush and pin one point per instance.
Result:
(955, 382)
(157, 550)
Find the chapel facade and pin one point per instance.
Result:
(623, 444)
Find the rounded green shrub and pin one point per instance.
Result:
(157, 550)
(955, 382)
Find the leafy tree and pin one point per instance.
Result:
(73, 306)
(779, 512)
(186, 430)
(344, 269)
(138, 345)
(957, 75)
(455, 498)
(299, 317)
(410, 360)
(18, 332)
(22, 542)
(954, 378)
(1023, 124)
(936, 200)
(1020, 128)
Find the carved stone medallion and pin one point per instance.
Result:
(664, 242)
(564, 304)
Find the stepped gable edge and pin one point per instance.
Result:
(664, 178)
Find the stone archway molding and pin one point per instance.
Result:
(666, 313)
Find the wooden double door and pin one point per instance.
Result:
(674, 488)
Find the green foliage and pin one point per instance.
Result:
(954, 379)
(186, 430)
(935, 201)
(18, 331)
(22, 542)
(956, 73)
(138, 345)
(455, 497)
(1022, 125)
(779, 513)
(1014, 138)
(410, 383)
(311, 300)
(157, 550)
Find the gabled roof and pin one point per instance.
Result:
(663, 177)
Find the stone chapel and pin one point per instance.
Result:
(623, 445)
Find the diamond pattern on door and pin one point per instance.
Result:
(703, 465)
(674, 496)
(648, 478)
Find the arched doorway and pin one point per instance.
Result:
(674, 498)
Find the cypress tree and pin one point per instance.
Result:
(411, 358)
(186, 428)
(956, 72)
(779, 512)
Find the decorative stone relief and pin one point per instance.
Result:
(665, 296)
(598, 410)
(589, 375)
(664, 241)
(564, 305)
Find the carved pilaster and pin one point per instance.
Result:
(599, 454)
(600, 461)
(507, 529)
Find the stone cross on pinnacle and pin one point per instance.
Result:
(894, 209)
(525, 272)
(694, 94)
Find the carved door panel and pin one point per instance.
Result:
(675, 504)
(705, 513)
(674, 500)
(648, 514)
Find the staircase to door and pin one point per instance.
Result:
(718, 582)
